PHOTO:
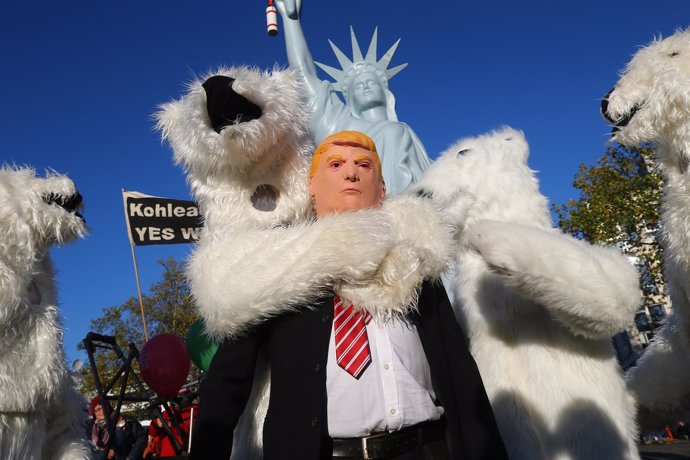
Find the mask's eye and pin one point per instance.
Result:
(462, 152)
(674, 54)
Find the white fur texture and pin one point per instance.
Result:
(539, 307)
(421, 249)
(250, 265)
(40, 413)
(657, 82)
(224, 170)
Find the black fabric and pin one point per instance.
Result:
(295, 427)
(224, 106)
(224, 395)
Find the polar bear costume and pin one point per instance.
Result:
(241, 135)
(40, 413)
(539, 307)
(651, 103)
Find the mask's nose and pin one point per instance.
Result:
(352, 174)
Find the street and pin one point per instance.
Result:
(679, 450)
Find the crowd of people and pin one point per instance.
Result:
(131, 440)
(679, 432)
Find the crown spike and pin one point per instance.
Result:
(350, 69)
(371, 52)
(386, 59)
(345, 62)
(332, 71)
(390, 73)
(356, 50)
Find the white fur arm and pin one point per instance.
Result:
(242, 277)
(659, 381)
(65, 432)
(591, 289)
(422, 250)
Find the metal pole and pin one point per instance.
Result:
(191, 427)
(136, 269)
(141, 302)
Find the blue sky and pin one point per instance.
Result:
(80, 81)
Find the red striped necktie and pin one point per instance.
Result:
(351, 340)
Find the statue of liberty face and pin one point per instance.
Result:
(366, 92)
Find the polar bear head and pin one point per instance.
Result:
(36, 212)
(485, 177)
(242, 137)
(651, 100)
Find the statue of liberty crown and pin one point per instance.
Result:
(360, 64)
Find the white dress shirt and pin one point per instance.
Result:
(394, 392)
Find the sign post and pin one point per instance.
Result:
(156, 220)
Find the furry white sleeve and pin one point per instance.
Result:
(422, 250)
(64, 437)
(591, 289)
(659, 381)
(242, 277)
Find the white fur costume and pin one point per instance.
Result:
(539, 307)
(252, 264)
(40, 413)
(651, 103)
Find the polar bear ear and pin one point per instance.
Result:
(166, 118)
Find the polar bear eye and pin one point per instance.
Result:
(674, 54)
(462, 152)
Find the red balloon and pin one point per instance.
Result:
(164, 364)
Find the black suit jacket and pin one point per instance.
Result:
(297, 350)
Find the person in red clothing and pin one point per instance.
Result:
(156, 435)
(160, 443)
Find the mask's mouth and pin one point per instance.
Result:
(618, 123)
(68, 203)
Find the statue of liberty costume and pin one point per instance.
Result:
(369, 107)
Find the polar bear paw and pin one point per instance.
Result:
(352, 245)
(499, 245)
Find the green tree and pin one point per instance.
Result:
(619, 205)
(169, 308)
